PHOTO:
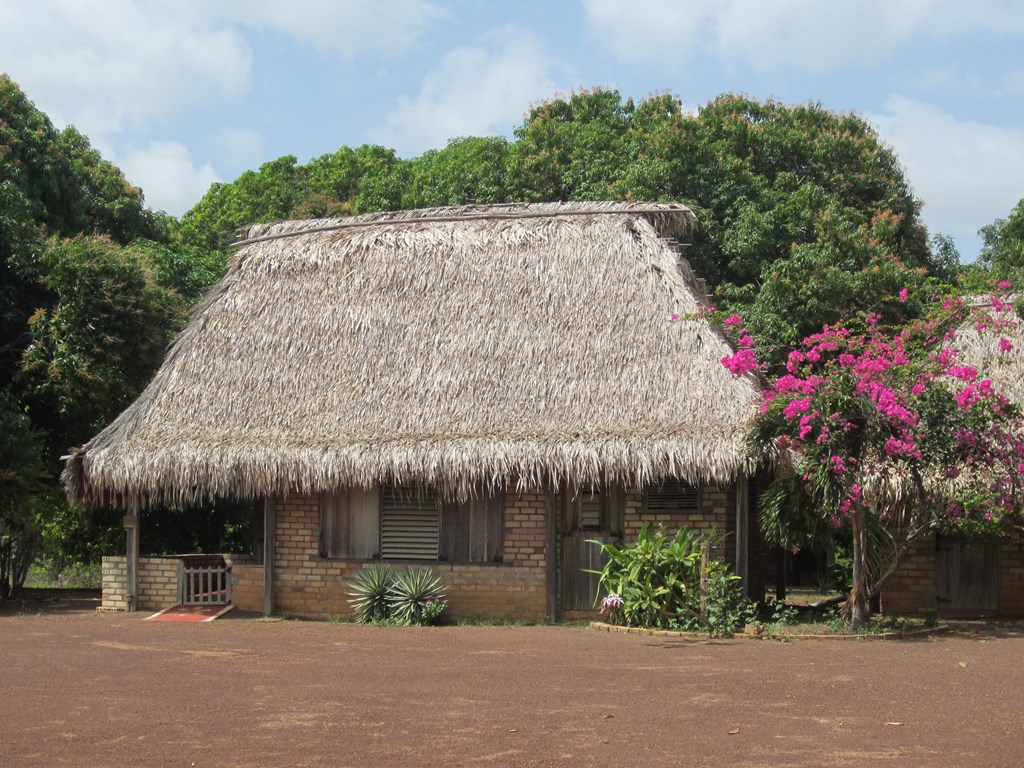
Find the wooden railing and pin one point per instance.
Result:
(206, 586)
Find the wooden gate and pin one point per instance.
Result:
(967, 571)
(205, 585)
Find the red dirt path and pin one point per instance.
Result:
(82, 689)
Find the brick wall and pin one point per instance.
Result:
(158, 583)
(912, 589)
(1011, 584)
(114, 580)
(716, 512)
(307, 585)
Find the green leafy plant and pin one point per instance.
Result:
(433, 609)
(370, 591)
(670, 582)
(414, 596)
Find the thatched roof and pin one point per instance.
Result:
(981, 350)
(455, 346)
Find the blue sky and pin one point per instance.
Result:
(182, 93)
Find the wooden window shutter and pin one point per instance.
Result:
(364, 523)
(410, 523)
(671, 496)
(333, 524)
(591, 508)
(587, 507)
(350, 523)
(472, 531)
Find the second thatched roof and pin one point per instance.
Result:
(455, 346)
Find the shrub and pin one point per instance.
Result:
(382, 596)
(670, 582)
(416, 593)
(370, 592)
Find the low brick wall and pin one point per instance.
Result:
(158, 583)
(306, 584)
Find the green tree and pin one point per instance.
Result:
(97, 346)
(468, 170)
(21, 473)
(571, 149)
(803, 214)
(1002, 249)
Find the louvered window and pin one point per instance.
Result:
(591, 508)
(410, 523)
(671, 497)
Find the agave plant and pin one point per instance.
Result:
(410, 593)
(370, 593)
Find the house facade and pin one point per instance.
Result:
(483, 389)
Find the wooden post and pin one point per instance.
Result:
(131, 529)
(743, 534)
(269, 519)
(551, 553)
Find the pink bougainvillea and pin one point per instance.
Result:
(865, 405)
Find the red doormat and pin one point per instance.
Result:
(191, 613)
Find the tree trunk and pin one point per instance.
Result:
(857, 610)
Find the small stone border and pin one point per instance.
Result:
(751, 634)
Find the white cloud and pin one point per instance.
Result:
(111, 64)
(241, 148)
(480, 89)
(348, 27)
(105, 66)
(807, 35)
(168, 176)
(967, 173)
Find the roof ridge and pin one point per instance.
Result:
(495, 212)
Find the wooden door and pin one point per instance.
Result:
(588, 515)
(579, 588)
(967, 571)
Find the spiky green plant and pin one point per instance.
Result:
(411, 592)
(369, 593)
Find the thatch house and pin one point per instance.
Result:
(481, 388)
(955, 576)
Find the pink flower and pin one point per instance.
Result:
(744, 361)
(733, 320)
(675, 316)
(904, 294)
(964, 373)
(1005, 285)
(1005, 345)
(795, 407)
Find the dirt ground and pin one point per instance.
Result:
(86, 689)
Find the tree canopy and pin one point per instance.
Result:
(805, 220)
(1003, 243)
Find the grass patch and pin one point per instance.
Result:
(42, 576)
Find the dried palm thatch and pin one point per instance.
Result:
(458, 346)
(981, 350)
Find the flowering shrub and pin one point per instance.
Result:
(670, 582)
(610, 607)
(432, 610)
(887, 423)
